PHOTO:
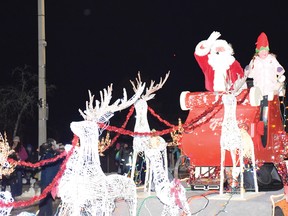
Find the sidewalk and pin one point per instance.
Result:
(27, 194)
(201, 202)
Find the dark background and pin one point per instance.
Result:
(92, 43)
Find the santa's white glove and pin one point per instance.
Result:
(212, 38)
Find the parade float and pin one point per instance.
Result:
(201, 136)
(246, 120)
(232, 119)
(198, 138)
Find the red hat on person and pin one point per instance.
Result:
(262, 43)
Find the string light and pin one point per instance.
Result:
(6, 168)
(104, 143)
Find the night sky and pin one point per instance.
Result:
(91, 44)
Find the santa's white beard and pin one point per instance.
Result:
(220, 63)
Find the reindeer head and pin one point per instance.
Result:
(103, 111)
(236, 87)
(85, 129)
(149, 94)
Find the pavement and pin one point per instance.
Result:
(201, 202)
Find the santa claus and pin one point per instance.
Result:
(220, 68)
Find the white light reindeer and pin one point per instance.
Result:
(171, 194)
(84, 188)
(143, 143)
(234, 139)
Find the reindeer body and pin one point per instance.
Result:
(173, 196)
(92, 189)
(230, 139)
(235, 140)
(154, 148)
(140, 143)
(143, 143)
(84, 188)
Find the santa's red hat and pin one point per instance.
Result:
(262, 43)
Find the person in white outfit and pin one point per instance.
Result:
(266, 71)
(267, 75)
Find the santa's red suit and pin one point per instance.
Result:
(215, 58)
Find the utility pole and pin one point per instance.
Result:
(42, 103)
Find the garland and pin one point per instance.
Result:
(212, 111)
(48, 189)
(196, 122)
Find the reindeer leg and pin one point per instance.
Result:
(165, 162)
(234, 173)
(222, 171)
(242, 189)
(134, 159)
(254, 170)
(150, 178)
(132, 203)
(147, 176)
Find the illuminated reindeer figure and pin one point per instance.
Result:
(234, 139)
(171, 194)
(142, 143)
(84, 188)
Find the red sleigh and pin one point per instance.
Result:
(200, 141)
(201, 137)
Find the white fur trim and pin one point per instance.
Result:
(270, 96)
(219, 83)
(183, 100)
(202, 48)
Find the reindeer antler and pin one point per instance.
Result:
(138, 82)
(102, 111)
(239, 84)
(148, 95)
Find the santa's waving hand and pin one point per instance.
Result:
(215, 58)
(212, 38)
